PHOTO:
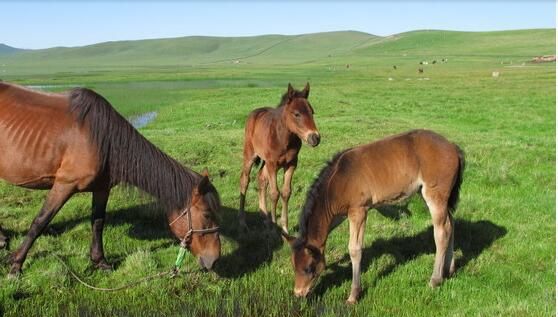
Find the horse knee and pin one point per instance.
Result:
(355, 253)
(286, 193)
(274, 194)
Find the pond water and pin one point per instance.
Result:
(49, 87)
(142, 120)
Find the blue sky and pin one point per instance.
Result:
(33, 24)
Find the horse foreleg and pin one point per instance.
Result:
(273, 191)
(262, 188)
(56, 198)
(244, 181)
(285, 195)
(98, 212)
(357, 224)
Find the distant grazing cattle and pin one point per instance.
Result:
(434, 62)
(420, 70)
(394, 66)
(544, 58)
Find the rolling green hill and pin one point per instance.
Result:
(198, 50)
(523, 43)
(330, 48)
(5, 49)
(293, 48)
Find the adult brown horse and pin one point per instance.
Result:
(368, 176)
(77, 142)
(273, 135)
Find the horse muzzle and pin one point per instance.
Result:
(207, 261)
(301, 292)
(313, 139)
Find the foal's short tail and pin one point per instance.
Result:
(454, 196)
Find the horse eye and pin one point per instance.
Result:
(309, 270)
(296, 114)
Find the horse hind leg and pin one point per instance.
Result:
(262, 188)
(56, 198)
(249, 161)
(285, 195)
(273, 190)
(443, 225)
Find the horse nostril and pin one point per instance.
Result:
(299, 292)
(313, 139)
(207, 261)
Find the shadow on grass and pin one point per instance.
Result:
(253, 248)
(147, 222)
(470, 237)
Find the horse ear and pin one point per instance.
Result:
(306, 90)
(205, 172)
(290, 91)
(289, 239)
(204, 185)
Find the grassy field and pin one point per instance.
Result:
(505, 234)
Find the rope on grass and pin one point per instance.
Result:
(172, 273)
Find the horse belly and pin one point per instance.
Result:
(393, 182)
(26, 168)
(394, 194)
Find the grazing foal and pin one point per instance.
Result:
(273, 135)
(371, 175)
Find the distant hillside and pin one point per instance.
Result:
(5, 49)
(279, 49)
(526, 43)
(199, 50)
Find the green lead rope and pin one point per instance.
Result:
(180, 258)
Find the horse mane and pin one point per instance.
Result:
(285, 97)
(317, 189)
(127, 156)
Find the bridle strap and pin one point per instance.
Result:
(188, 236)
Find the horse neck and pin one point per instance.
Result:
(282, 131)
(319, 224)
(158, 175)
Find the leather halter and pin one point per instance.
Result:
(185, 242)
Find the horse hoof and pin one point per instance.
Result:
(435, 282)
(14, 274)
(103, 265)
(351, 301)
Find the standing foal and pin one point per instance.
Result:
(273, 135)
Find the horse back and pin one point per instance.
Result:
(39, 138)
(392, 169)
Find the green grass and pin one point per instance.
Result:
(505, 235)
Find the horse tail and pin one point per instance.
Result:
(454, 195)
